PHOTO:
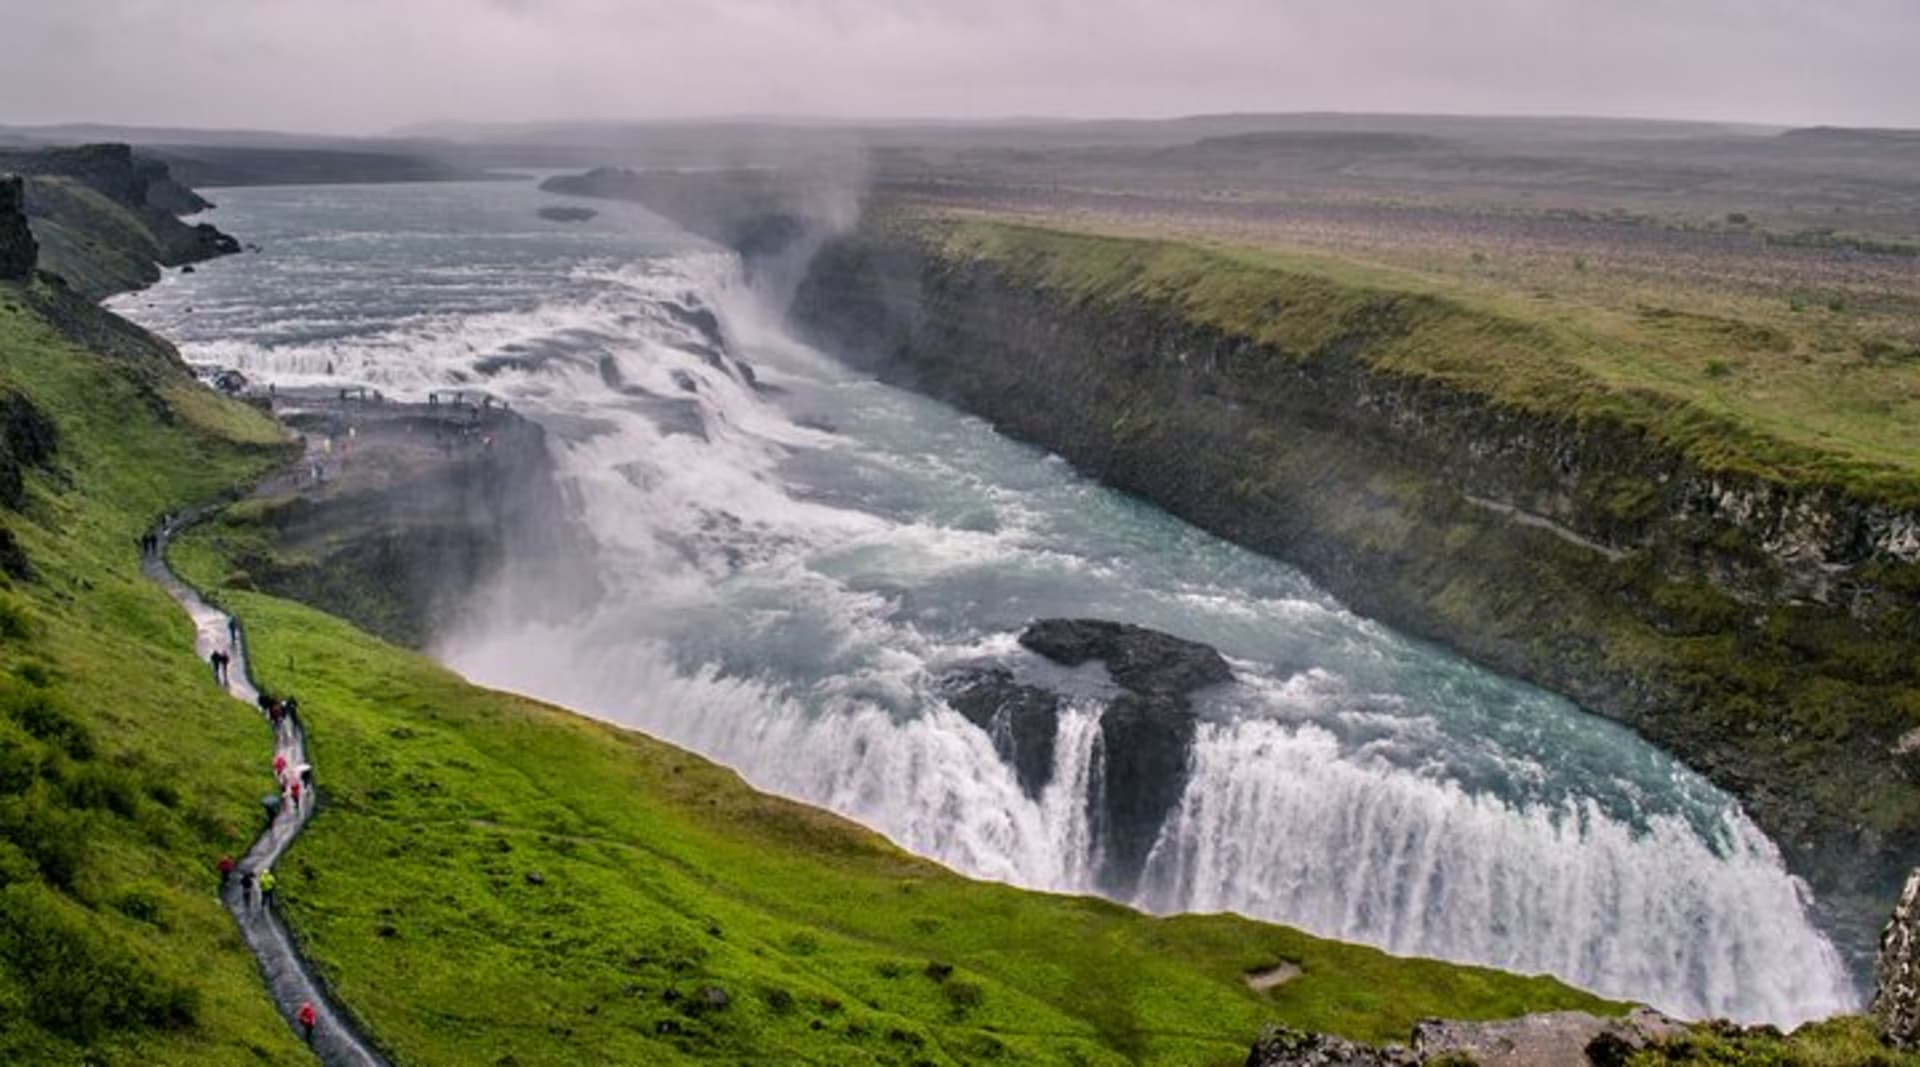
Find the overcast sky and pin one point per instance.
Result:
(368, 65)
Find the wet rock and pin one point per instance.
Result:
(1140, 660)
(1145, 742)
(1146, 733)
(18, 250)
(561, 213)
(1282, 1046)
(1021, 719)
(1896, 995)
(699, 319)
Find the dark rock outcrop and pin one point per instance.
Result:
(1896, 997)
(28, 440)
(563, 213)
(437, 504)
(1146, 732)
(1142, 661)
(1282, 1046)
(18, 249)
(1022, 720)
(1146, 729)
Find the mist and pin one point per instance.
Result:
(360, 66)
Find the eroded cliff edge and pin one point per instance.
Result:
(1750, 610)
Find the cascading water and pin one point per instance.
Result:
(792, 558)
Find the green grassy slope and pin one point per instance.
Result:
(659, 877)
(495, 879)
(1730, 395)
(123, 772)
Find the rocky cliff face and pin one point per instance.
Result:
(1896, 1000)
(106, 220)
(18, 250)
(432, 507)
(1767, 633)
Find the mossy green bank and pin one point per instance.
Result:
(123, 772)
(493, 880)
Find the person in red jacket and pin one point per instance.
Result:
(307, 1017)
(226, 870)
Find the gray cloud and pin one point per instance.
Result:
(364, 65)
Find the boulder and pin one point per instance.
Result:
(1282, 1046)
(1021, 719)
(1547, 1039)
(1896, 995)
(18, 250)
(1139, 660)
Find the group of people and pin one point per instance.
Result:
(294, 781)
(296, 786)
(265, 882)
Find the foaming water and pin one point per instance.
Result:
(794, 553)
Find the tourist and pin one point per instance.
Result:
(226, 870)
(233, 630)
(280, 767)
(267, 882)
(308, 1016)
(294, 790)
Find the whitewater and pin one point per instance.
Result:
(792, 553)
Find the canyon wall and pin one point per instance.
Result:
(1763, 629)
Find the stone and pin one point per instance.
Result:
(1141, 660)
(1281, 1046)
(1021, 720)
(18, 250)
(1896, 995)
(1547, 1039)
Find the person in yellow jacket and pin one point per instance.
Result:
(267, 882)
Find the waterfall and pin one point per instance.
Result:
(794, 555)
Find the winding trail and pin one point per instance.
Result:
(290, 980)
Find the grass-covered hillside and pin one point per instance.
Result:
(493, 880)
(123, 773)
